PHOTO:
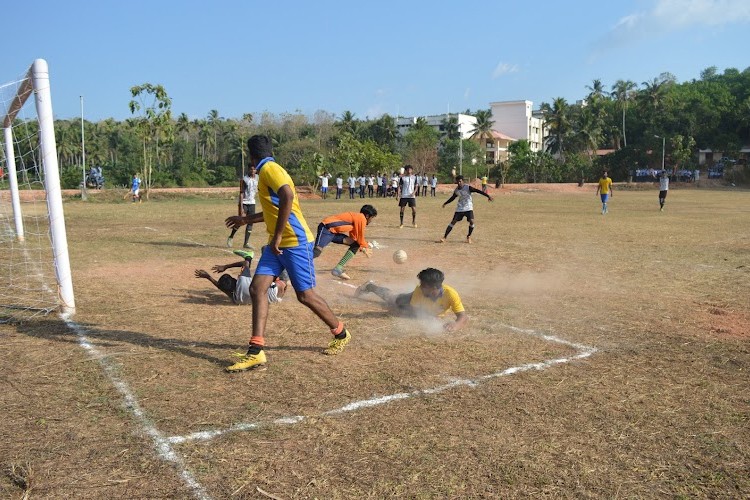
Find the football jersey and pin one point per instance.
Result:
(242, 288)
(251, 190)
(271, 178)
(408, 186)
(604, 185)
(465, 202)
(447, 301)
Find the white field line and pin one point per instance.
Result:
(583, 351)
(162, 444)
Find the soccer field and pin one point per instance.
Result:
(605, 356)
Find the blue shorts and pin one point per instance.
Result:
(298, 262)
(605, 197)
(324, 236)
(324, 189)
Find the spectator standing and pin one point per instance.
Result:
(663, 188)
(339, 186)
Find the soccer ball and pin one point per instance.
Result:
(399, 256)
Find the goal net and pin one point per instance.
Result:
(34, 264)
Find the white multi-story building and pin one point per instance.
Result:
(466, 123)
(511, 121)
(516, 119)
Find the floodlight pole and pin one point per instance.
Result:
(84, 194)
(460, 149)
(663, 144)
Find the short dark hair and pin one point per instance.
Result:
(227, 284)
(260, 147)
(459, 178)
(408, 166)
(431, 277)
(368, 211)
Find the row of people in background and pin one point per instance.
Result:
(381, 185)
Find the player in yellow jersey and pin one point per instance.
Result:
(605, 188)
(290, 248)
(430, 298)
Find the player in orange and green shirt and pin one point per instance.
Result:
(430, 298)
(347, 228)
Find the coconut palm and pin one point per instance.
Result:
(623, 91)
(558, 120)
(483, 127)
(450, 128)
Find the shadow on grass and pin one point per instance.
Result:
(58, 331)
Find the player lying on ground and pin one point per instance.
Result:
(464, 207)
(430, 298)
(239, 289)
(346, 228)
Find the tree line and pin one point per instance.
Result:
(712, 111)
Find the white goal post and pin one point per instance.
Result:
(21, 264)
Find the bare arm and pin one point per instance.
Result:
(237, 221)
(220, 268)
(286, 197)
(461, 319)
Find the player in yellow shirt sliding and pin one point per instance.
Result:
(430, 298)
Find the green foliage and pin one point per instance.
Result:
(621, 164)
(713, 110)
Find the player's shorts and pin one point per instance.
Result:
(324, 236)
(249, 209)
(324, 190)
(458, 216)
(136, 192)
(298, 262)
(402, 202)
(605, 197)
(662, 194)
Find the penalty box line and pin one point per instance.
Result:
(163, 446)
(582, 352)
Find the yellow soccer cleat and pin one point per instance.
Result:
(337, 345)
(249, 362)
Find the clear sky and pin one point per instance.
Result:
(412, 57)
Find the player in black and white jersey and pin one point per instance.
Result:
(464, 208)
(407, 190)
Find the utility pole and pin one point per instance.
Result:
(84, 193)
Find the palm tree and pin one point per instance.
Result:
(483, 127)
(349, 124)
(214, 122)
(385, 131)
(596, 90)
(450, 127)
(589, 132)
(623, 91)
(558, 118)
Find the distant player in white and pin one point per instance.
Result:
(407, 189)
(339, 186)
(324, 184)
(464, 208)
(248, 193)
(663, 188)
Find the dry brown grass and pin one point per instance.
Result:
(660, 410)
